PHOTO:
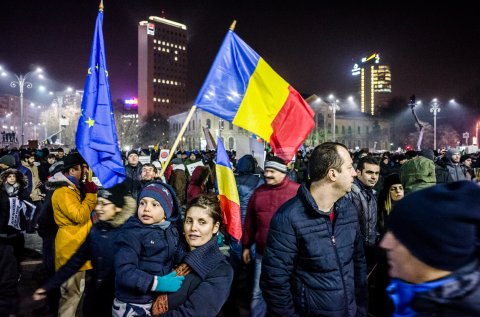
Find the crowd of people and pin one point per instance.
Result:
(332, 233)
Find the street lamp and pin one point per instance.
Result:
(334, 107)
(435, 108)
(22, 82)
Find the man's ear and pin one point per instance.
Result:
(332, 174)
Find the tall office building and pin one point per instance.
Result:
(162, 67)
(373, 82)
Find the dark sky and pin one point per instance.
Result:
(433, 51)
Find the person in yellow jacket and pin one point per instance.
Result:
(73, 202)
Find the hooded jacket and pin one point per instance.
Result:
(72, 215)
(246, 182)
(21, 194)
(456, 171)
(98, 248)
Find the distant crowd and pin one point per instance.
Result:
(331, 233)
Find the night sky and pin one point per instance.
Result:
(432, 51)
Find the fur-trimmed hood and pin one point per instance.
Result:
(129, 209)
(21, 178)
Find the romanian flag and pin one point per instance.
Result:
(243, 89)
(228, 193)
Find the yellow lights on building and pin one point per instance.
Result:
(374, 83)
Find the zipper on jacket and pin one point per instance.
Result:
(334, 244)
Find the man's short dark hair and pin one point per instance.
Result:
(150, 165)
(325, 157)
(366, 160)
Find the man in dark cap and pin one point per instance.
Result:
(433, 252)
(73, 202)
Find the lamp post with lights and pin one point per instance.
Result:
(334, 107)
(435, 108)
(21, 82)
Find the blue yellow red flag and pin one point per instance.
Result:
(228, 192)
(243, 89)
(96, 137)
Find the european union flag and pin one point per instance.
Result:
(96, 137)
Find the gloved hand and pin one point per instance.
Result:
(90, 187)
(167, 283)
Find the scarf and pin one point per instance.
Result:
(11, 190)
(402, 294)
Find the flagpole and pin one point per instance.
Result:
(177, 140)
(184, 127)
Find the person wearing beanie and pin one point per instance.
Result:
(146, 251)
(7, 161)
(113, 208)
(263, 204)
(418, 172)
(466, 162)
(449, 169)
(433, 252)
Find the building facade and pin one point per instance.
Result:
(354, 129)
(162, 67)
(373, 83)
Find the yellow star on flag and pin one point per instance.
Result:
(90, 122)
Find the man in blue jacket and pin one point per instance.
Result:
(314, 264)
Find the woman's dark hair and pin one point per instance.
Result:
(201, 174)
(209, 202)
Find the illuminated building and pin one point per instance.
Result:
(373, 82)
(162, 67)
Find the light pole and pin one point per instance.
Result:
(334, 107)
(22, 82)
(435, 108)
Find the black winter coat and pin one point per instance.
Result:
(206, 288)
(311, 266)
(99, 248)
(460, 297)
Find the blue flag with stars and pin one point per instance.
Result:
(96, 137)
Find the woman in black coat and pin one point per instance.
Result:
(208, 275)
(113, 208)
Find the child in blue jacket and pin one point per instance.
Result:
(146, 252)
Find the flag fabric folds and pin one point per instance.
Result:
(96, 137)
(243, 89)
(228, 192)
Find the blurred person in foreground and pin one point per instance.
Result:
(433, 252)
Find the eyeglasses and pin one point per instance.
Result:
(102, 204)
